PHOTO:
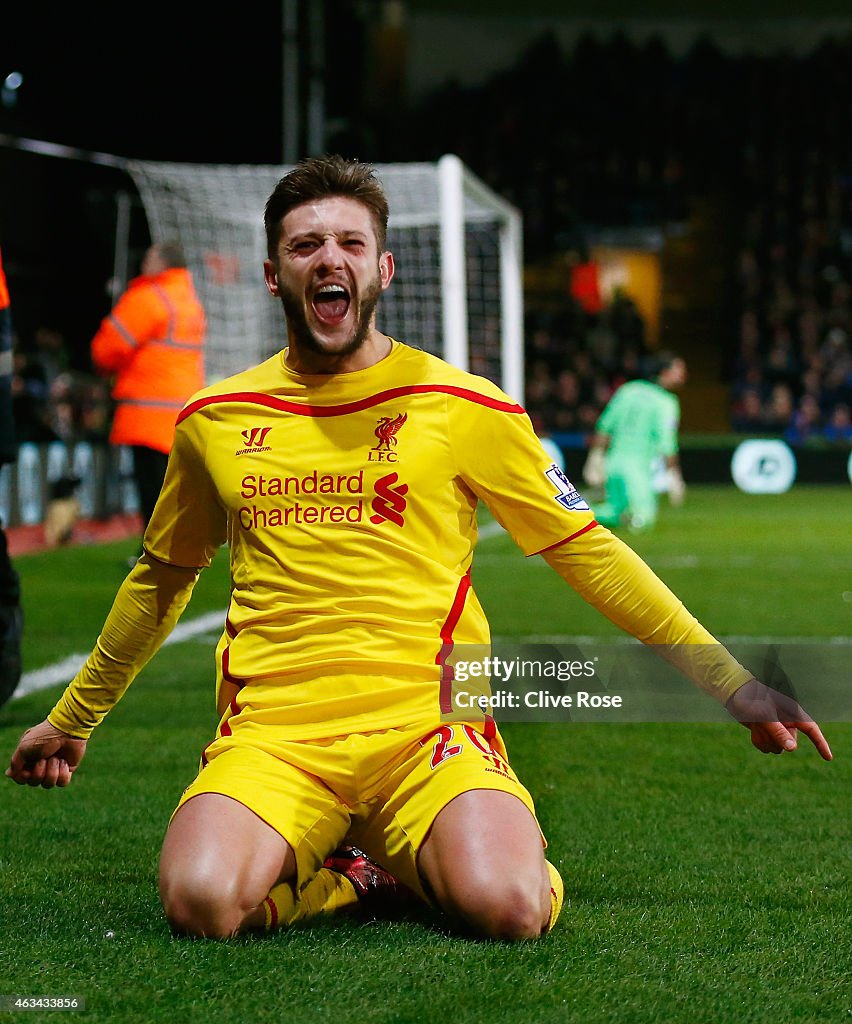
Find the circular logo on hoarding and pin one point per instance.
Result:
(763, 467)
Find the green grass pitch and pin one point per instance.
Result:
(705, 882)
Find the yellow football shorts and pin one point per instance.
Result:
(382, 790)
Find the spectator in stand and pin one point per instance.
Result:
(806, 422)
(152, 345)
(51, 353)
(62, 408)
(839, 427)
(782, 366)
(779, 411)
(539, 392)
(747, 413)
(568, 400)
(94, 410)
(29, 393)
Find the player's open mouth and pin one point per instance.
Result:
(331, 303)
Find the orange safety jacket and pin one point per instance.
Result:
(4, 291)
(153, 342)
(8, 439)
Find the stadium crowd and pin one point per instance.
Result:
(792, 370)
(575, 360)
(641, 133)
(52, 399)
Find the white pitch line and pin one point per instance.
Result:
(573, 638)
(65, 670)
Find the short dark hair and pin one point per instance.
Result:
(171, 253)
(658, 362)
(320, 178)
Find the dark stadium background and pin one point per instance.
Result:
(706, 884)
(206, 85)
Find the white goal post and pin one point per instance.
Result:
(457, 244)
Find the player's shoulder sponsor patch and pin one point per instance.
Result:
(566, 493)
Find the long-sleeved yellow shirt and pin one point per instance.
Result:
(348, 504)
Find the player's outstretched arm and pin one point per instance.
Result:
(611, 577)
(774, 719)
(45, 757)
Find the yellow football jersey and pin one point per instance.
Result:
(348, 503)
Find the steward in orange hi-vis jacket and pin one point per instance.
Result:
(152, 342)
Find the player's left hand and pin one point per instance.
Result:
(594, 469)
(774, 719)
(677, 488)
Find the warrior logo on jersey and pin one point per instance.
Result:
(386, 430)
(389, 502)
(567, 494)
(254, 440)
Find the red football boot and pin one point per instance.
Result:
(377, 890)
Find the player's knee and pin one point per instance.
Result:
(200, 908)
(506, 909)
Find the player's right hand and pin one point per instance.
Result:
(45, 757)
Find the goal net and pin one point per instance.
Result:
(457, 291)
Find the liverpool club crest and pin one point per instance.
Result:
(386, 430)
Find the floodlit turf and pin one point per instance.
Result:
(705, 882)
(770, 565)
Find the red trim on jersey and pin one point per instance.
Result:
(224, 729)
(273, 912)
(573, 536)
(452, 620)
(299, 409)
(226, 665)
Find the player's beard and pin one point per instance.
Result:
(307, 341)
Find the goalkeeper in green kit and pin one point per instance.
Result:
(638, 427)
